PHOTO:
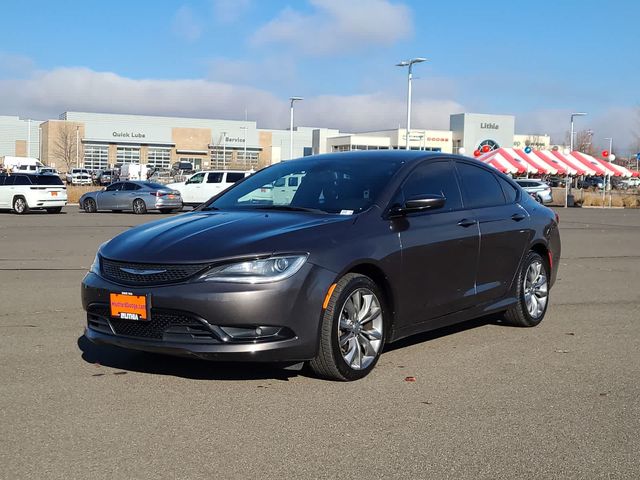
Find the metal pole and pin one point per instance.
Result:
(408, 105)
(224, 150)
(77, 145)
(291, 130)
(566, 183)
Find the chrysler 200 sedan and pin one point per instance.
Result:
(370, 248)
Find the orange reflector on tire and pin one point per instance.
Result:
(328, 297)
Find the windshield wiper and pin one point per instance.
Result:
(289, 208)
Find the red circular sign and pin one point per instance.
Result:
(605, 153)
(485, 148)
(476, 153)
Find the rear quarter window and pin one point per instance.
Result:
(21, 180)
(233, 177)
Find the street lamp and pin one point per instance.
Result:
(77, 145)
(566, 185)
(409, 63)
(293, 99)
(244, 129)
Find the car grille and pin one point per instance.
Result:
(164, 325)
(149, 274)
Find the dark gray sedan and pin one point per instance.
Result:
(368, 248)
(135, 196)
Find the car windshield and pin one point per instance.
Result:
(327, 185)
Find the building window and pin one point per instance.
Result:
(159, 158)
(195, 161)
(341, 148)
(250, 161)
(96, 157)
(221, 157)
(128, 155)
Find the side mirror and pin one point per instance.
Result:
(419, 204)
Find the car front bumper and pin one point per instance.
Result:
(294, 304)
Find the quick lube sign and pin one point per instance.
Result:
(123, 133)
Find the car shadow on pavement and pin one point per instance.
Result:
(443, 332)
(191, 368)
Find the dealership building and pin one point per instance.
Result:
(100, 140)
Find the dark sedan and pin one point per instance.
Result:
(369, 248)
(135, 196)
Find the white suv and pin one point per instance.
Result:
(22, 192)
(201, 186)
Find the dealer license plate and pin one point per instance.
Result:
(126, 306)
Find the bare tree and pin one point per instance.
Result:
(66, 146)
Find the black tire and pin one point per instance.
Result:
(139, 207)
(20, 205)
(539, 199)
(54, 210)
(329, 362)
(90, 206)
(518, 314)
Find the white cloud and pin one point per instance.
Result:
(46, 94)
(337, 26)
(15, 65)
(228, 11)
(186, 25)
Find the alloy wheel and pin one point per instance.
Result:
(19, 205)
(360, 330)
(536, 289)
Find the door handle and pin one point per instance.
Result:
(465, 222)
(518, 216)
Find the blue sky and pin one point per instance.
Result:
(217, 58)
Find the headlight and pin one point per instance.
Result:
(95, 266)
(265, 270)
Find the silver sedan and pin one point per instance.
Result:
(135, 196)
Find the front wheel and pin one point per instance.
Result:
(353, 330)
(90, 205)
(532, 290)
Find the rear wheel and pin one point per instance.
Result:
(353, 330)
(90, 205)
(54, 210)
(532, 290)
(20, 205)
(139, 206)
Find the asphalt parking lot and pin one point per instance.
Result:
(489, 401)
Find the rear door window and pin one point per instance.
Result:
(130, 187)
(21, 180)
(47, 180)
(480, 187)
(233, 177)
(114, 187)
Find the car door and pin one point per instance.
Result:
(127, 195)
(108, 198)
(439, 247)
(192, 188)
(212, 186)
(504, 228)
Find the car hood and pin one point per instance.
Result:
(209, 236)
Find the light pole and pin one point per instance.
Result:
(293, 99)
(409, 63)
(77, 145)
(224, 150)
(244, 129)
(566, 184)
